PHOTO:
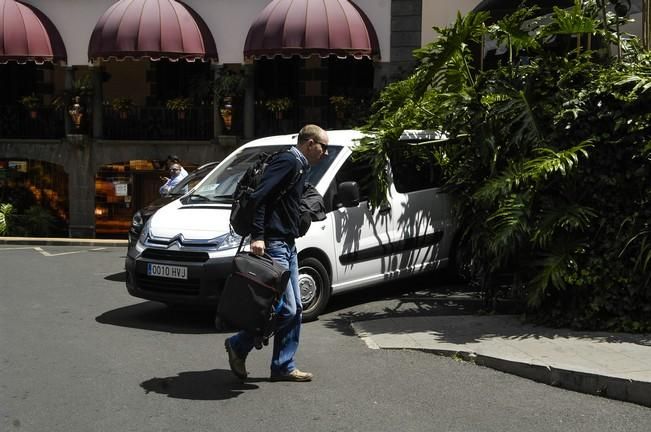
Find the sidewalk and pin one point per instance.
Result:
(612, 365)
(63, 241)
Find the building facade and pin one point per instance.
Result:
(96, 94)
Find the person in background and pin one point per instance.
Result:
(274, 230)
(175, 177)
(174, 159)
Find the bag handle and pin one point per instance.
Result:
(239, 248)
(264, 257)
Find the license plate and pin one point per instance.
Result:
(167, 271)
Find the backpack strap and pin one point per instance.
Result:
(297, 174)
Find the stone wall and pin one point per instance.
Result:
(81, 158)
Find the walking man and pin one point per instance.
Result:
(274, 230)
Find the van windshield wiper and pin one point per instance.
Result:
(198, 197)
(223, 197)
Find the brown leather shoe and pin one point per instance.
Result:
(237, 363)
(294, 376)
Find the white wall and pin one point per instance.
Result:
(228, 20)
(441, 13)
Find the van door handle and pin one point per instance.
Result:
(384, 209)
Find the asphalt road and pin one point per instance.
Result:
(77, 353)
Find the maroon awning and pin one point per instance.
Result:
(27, 35)
(151, 29)
(311, 27)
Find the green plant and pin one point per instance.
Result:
(229, 84)
(179, 104)
(547, 161)
(341, 105)
(122, 104)
(30, 102)
(6, 210)
(83, 86)
(278, 105)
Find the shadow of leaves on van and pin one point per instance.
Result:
(216, 384)
(158, 317)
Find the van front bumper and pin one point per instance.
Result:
(202, 286)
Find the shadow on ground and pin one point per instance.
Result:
(216, 384)
(159, 317)
(117, 277)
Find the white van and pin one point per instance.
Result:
(185, 250)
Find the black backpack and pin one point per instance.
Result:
(243, 209)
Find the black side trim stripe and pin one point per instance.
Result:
(391, 248)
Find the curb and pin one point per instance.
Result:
(63, 241)
(626, 390)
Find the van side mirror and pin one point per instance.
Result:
(348, 194)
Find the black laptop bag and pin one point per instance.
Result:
(251, 294)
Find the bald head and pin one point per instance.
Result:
(313, 143)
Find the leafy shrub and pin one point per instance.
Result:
(548, 160)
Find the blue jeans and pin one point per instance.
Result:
(288, 328)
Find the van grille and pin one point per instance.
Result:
(188, 287)
(173, 255)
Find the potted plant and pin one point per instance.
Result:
(180, 105)
(31, 103)
(83, 86)
(278, 106)
(122, 106)
(229, 84)
(341, 105)
(227, 88)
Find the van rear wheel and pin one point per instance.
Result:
(314, 283)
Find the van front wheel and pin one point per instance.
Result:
(314, 282)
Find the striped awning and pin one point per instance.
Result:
(27, 35)
(151, 29)
(305, 28)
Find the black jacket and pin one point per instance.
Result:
(277, 214)
(312, 208)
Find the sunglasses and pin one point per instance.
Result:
(324, 146)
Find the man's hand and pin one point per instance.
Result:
(164, 179)
(257, 247)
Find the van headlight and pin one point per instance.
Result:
(228, 241)
(142, 238)
(137, 221)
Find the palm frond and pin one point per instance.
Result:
(518, 120)
(449, 51)
(571, 21)
(552, 267)
(504, 184)
(643, 259)
(565, 215)
(641, 82)
(509, 226)
(551, 162)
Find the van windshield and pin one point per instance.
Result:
(220, 184)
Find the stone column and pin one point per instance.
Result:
(81, 187)
(249, 101)
(217, 118)
(98, 98)
(67, 86)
